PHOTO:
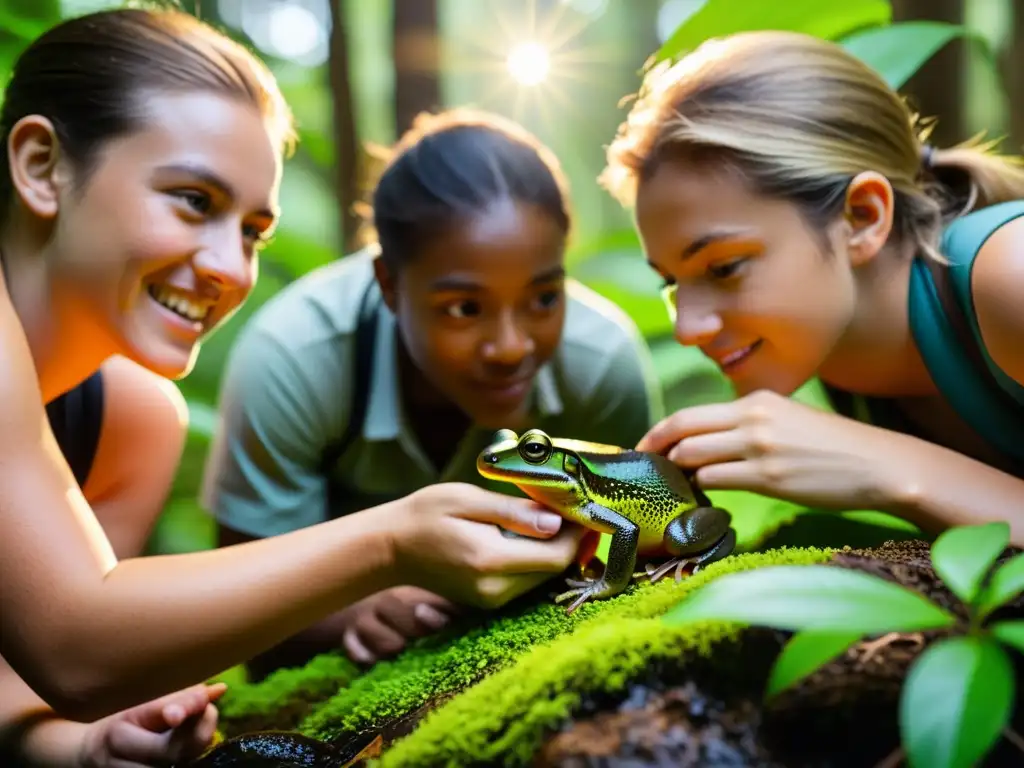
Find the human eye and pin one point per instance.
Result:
(258, 237)
(461, 309)
(198, 201)
(724, 270)
(548, 299)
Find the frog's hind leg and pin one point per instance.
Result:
(689, 534)
(621, 559)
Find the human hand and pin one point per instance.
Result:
(162, 732)
(778, 447)
(380, 625)
(448, 541)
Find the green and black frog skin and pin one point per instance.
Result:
(648, 504)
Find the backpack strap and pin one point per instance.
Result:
(362, 357)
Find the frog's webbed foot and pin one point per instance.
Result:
(590, 589)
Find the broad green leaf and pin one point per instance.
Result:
(813, 17)
(1006, 583)
(804, 653)
(962, 556)
(956, 700)
(1010, 632)
(820, 597)
(897, 51)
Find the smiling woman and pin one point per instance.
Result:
(805, 228)
(143, 152)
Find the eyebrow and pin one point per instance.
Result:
(704, 241)
(211, 179)
(457, 283)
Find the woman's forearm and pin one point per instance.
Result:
(153, 625)
(937, 488)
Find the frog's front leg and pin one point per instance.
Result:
(704, 532)
(621, 558)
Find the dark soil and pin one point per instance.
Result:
(709, 713)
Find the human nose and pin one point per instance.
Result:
(226, 263)
(697, 320)
(509, 344)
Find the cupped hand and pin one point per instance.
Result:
(450, 542)
(162, 732)
(778, 447)
(381, 625)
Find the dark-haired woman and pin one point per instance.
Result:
(468, 326)
(143, 156)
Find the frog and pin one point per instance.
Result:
(649, 505)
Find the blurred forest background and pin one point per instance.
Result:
(356, 72)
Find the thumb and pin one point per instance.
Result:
(522, 516)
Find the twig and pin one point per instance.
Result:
(891, 760)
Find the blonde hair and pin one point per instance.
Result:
(799, 117)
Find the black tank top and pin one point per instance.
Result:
(76, 418)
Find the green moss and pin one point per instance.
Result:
(284, 697)
(503, 718)
(459, 659)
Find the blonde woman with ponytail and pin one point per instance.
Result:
(805, 227)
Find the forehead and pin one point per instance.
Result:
(506, 238)
(677, 192)
(225, 135)
(682, 202)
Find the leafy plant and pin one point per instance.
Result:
(958, 695)
(864, 27)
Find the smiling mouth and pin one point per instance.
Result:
(735, 358)
(179, 303)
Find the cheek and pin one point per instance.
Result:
(433, 345)
(547, 333)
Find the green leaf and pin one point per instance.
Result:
(956, 700)
(1006, 583)
(962, 556)
(820, 597)
(1009, 632)
(897, 51)
(723, 17)
(804, 653)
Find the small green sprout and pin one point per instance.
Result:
(958, 695)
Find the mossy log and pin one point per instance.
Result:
(612, 684)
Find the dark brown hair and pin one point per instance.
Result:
(450, 166)
(87, 74)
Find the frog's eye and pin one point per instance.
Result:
(535, 448)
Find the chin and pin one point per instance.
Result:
(169, 362)
(495, 419)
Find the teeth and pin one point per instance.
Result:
(730, 359)
(178, 303)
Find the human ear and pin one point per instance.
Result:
(868, 213)
(37, 173)
(386, 280)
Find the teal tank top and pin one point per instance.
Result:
(945, 328)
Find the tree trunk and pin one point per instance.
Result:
(417, 60)
(937, 89)
(346, 140)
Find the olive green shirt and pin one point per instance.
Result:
(288, 382)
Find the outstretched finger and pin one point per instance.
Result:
(523, 555)
(171, 710)
(732, 476)
(687, 422)
(708, 448)
(521, 516)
